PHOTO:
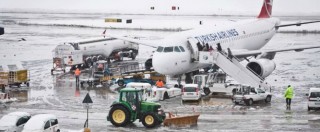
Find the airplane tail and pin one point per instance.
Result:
(266, 9)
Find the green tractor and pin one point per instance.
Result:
(131, 107)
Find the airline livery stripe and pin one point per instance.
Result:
(217, 36)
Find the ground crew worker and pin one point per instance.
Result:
(77, 74)
(159, 83)
(288, 95)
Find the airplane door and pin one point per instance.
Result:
(192, 45)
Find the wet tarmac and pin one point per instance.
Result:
(59, 95)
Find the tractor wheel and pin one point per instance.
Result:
(149, 120)
(206, 91)
(121, 83)
(119, 116)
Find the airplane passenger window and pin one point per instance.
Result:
(168, 49)
(160, 49)
(176, 49)
(182, 49)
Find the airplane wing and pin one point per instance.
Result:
(296, 24)
(243, 54)
(136, 41)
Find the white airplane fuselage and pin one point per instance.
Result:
(244, 35)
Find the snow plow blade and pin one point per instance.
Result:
(179, 121)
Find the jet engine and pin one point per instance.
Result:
(262, 67)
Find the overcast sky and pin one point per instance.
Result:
(280, 7)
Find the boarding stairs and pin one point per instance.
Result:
(232, 66)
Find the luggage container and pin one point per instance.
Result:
(13, 75)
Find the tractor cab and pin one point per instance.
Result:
(131, 106)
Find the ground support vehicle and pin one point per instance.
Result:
(153, 93)
(216, 82)
(104, 72)
(247, 95)
(121, 73)
(190, 92)
(14, 122)
(166, 92)
(142, 76)
(65, 55)
(131, 107)
(13, 75)
(314, 99)
(135, 78)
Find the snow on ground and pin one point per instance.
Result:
(59, 94)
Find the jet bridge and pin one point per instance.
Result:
(232, 66)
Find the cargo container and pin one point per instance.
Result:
(13, 75)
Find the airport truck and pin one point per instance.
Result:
(130, 106)
(247, 95)
(84, 52)
(216, 82)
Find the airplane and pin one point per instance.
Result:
(82, 53)
(177, 54)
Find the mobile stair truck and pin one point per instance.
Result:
(232, 67)
(13, 75)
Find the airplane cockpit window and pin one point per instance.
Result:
(182, 49)
(176, 49)
(160, 49)
(168, 49)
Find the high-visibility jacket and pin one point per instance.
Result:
(159, 84)
(77, 72)
(289, 93)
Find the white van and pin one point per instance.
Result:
(314, 99)
(190, 92)
(42, 123)
(14, 122)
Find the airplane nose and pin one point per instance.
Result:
(163, 64)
